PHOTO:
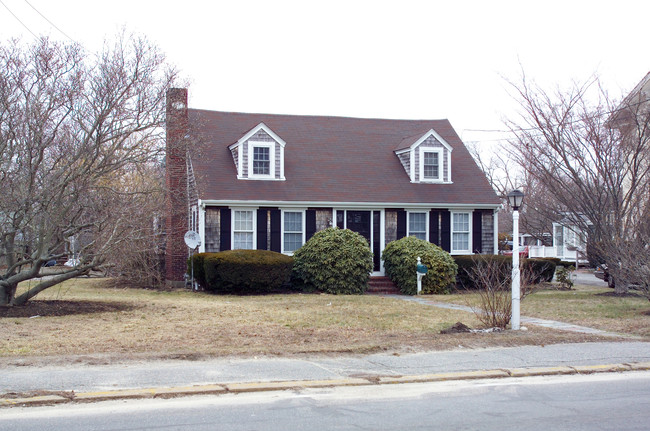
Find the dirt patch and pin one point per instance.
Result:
(52, 308)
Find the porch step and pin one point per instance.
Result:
(382, 286)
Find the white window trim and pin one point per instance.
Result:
(469, 237)
(251, 150)
(304, 223)
(426, 222)
(232, 227)
(440, 153)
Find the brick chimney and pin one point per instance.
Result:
(176, 208)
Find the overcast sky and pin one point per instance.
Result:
(400, 59)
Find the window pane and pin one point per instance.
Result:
(420, 235)
(293, 222)
(292, 241)
(417, 222)
(431, 165)
(243, 220)
(461, 222)
(243, 241)
(261, 161)
(461, 241)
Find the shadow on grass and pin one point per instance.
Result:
(49, 308)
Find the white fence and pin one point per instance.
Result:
(562, 252)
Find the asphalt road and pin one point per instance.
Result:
(612, 401)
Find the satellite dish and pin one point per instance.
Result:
(192, 239)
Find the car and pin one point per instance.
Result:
(523, 252)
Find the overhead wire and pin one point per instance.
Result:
(18, 19)
(50, 22)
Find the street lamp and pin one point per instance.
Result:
(515, 198)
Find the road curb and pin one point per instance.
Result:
(215, 389)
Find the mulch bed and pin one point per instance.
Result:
(63, 308)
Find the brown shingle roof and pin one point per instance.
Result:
(330, 159)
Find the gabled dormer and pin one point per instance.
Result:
(259, 155)
(426, 158)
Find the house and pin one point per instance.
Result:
(262, 181)
(569, 242)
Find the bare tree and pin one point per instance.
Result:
(72, 126)
(505, 175)
(493, 283)
(598, 173)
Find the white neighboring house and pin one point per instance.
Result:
(569, 243)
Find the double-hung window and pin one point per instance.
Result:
(261, 160)
(292, 231)
(430, 164)
(460, 232)
(243, 230)
(418, 225)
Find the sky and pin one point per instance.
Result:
(374, 59)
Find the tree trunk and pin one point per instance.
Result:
(7, 294)
(23, 298)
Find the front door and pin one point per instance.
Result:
(359, 222)
(367, 224)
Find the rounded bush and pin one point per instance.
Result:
(400, 261)
(246, 271)
(336, 261)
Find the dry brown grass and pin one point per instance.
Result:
(585, 305)
(84, 317)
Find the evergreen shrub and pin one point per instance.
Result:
(467, 263)
(537, 269)
(540, 269)
(335, 261)
(199, 269)
(246, 271)
(400, 261)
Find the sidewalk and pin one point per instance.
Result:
(25, 385)
(49, 385)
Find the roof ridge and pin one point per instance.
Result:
(319, 116)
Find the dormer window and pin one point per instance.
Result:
(430, 164)
(261, 158)
(426, 158)
(259, 155)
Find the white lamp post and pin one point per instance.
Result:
(515, 198)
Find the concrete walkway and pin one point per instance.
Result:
(562, 326)
(583, 276)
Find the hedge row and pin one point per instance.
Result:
(242, 271)
(540, 269)
(336, 261)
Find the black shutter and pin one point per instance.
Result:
(401, 224)
(477, 231)
(225, 230)
(276, 231)
(434, 227)
(310, 223)
(445, 230)
(262, 234)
